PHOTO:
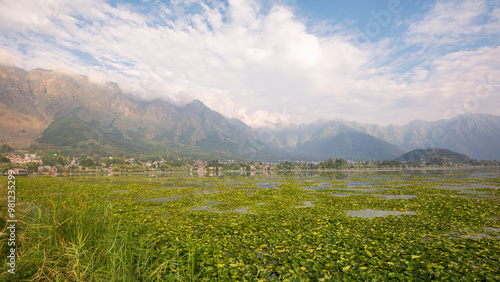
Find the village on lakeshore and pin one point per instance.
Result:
(58, 165)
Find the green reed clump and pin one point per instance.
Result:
(78, 239)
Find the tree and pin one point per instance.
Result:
(322, 165)
(88, 162)
(436, 160)
(330, 163)
(118, 161)
(339, 164)
(5, 149)
(4, 160)
(59, 168)
(32, 167)
(52, 160)
(164, 167)
(214, 163)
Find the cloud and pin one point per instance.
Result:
(454, 22)
(262, 65)
(6, 58)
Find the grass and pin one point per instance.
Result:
(77, 229)
(78, 239)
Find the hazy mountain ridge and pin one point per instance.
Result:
(64, 110)
(334, 138)
(351, 145)
(475, 135)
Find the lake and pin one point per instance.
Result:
(322, 226)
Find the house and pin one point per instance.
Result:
(19, 171)
(47, 169)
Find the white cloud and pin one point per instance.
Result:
(454, 22)
(253, 64)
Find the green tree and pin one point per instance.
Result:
(4, 160)
(339, 164)
(59, 168)
(330, 163)
(118, 161)
(4, 149)
(164, 167)
(87, 162)
(52, 160)
(322, 165)
(436, 160)
(32, 167)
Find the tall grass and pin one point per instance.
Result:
(82, 238)
(79, 239)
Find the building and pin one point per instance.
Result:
(19, 171)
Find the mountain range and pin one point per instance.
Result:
(44, 108)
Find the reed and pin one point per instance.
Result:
(81, 239)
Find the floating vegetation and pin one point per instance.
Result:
(348, 226)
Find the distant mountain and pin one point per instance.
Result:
(475, 135)
(434, 155)
(351, 145)
(50, 109)
(318, 140)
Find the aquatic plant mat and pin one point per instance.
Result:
(348, 226)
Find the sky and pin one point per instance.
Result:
(273, 62)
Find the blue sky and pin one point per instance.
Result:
(273, 62)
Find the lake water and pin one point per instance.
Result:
(384, 185)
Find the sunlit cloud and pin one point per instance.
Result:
(251, 61)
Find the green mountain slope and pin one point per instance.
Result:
(434, 154)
